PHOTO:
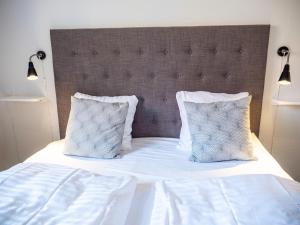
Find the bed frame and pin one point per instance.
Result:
(154, 63)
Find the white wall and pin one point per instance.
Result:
(25, 25)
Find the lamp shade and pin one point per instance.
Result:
(285, 77)
(31, 74)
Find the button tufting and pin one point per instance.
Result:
(73, 53)
(213, 50)
(241, 147)
(105, 75)
(94, 52)
(189, 51)
(226, 75)
(128, 75)
(140, 51)
(117, 52)
(84, 76)
(240, 50)
(178, 75)
(154, 120)
(200, 75)
(164, 51)
(199, 128)
(226, 115)
(164, 99)
(151, 75)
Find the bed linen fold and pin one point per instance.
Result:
(236, 200)
(33, 193)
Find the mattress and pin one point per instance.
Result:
(159, 158)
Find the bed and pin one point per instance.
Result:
(154, 183)
(155, 160)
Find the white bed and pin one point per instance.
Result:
(165, 187)
(158, 166)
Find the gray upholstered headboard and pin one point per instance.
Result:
(154, 63)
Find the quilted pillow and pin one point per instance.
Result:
(220, 130)
(199, 97)
(93, 134)
(132, 101)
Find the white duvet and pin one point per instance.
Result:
(236, 200)
(167, 189)
(46, 194)
(50, 194)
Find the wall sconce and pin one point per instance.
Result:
(285, 77)
(31, 74)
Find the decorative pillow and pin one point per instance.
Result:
(95, 129)
(132, 101)
(220, 131)
(199, 97)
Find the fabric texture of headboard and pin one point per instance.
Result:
(154, 63)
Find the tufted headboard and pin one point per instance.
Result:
(154, 63)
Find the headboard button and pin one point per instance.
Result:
(94, 52)
(201, 75)
(213, 51)
(178, 75)
(128, 75)
(117, 52)
(154, 120)
(151, 75)
(84, 76)
(73, 53)
(164, 51)
(140, 51)
(226, 75)
(105, 76)
(240, 50)
(189, 51)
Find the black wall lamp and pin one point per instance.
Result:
(31, 74)
(285, 77)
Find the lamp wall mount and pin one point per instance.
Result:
(283, 51)
(41, 55)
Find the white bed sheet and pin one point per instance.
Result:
(159, 158)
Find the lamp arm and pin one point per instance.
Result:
(41, 55)
(31, 57)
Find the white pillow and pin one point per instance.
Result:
(185, 142)
(132, 101)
